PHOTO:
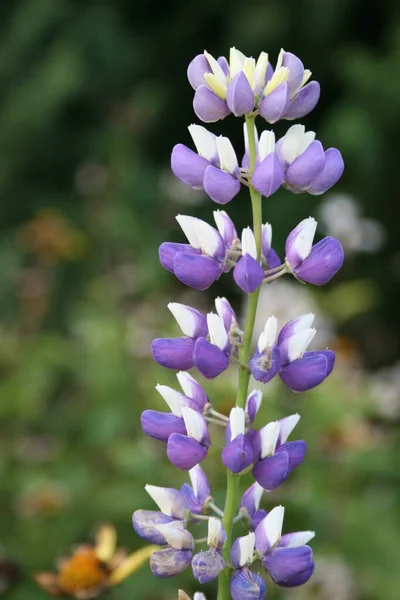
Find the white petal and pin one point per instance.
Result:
(246, 137)
(303, 241)
(258, 494)
(261, 69)
(188, 383)
(269, 437)
(300, 538)
(236, 62)
(279, 62)
(209, 238)
(280, 76)
(287, 425)
(188, 225)
(257, 395)
(267, 234)
(236, 422)
(198, 596)
(227, 155)
(299, 342)
(217, 331)
(172, 533)
(175, 400)
(215, 67)
(214, 532)
(246, 545)
(194, 422)
(291, 143)
(308, 138)
(303, 322)
(204, 141)
(266, 145)
(185, 317)
(249, 69)
(268, 337)
(273, 523)
(162, 498)
(249, 243)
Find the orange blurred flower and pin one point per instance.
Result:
(93, 569)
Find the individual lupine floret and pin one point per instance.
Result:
(238, 452)
(268, 173)
(248, 273)
(199, 494)
(250, 504)
(172, 507)
(160, 425)
(287, 95)
(287, 558)
(306, 166)
(214, 168)
(209, 564)
(177, 555)
(266, 360)
(274, 457)
(186, 451)
(212, 357)
(315, 264)
(302, 370)
(246, 585)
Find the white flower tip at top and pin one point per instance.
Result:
(226, 153)
(299, 342)
(258, 491)
(204, 141)
(287, 425)
(214, 532)
(269, 435)
(209, 238)
(303, 240)
(187, 383)
(266, 145)
(267, 234)
(273, 524)
(185, 317)
(237, 422)
(174, 399)
(268, 337)
(194, 423)
(172, 533)
(188, 226)
(249, 243)
(295, 141)
(300, 538)
(246, 546)
(217, 331)
(161, 497)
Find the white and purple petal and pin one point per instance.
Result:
(193, 390)
(265, 365)
(296, 71)
(207, 565)
(145, 524)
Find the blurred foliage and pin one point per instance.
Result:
(93, 96)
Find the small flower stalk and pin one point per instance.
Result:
(209, 344)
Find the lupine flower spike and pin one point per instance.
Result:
(190, 530)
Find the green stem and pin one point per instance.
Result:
(233, 481)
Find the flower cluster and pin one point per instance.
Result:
(212, 343)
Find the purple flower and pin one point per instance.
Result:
(238, 452)
(315, 264)
(172, 506)
(266, 360)
(250, 504)
(214, 168)
(176, 557)
(248, 273)
(246, 585)
(186, 451)
(301, 370)
(306, 166)
(199, 493)
(209, 564)
(287, 558)
(274, 457)
(287, 95)
(160, 425)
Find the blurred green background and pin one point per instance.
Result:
(93, 95)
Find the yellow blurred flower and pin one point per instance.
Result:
(93, 568)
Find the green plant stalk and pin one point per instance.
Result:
(233, 481)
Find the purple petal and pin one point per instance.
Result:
(253, 403)
(168, 251)
(226, 313)
(237, 454)
(193, 390)
(200, 483)
(304, 101)
(323, 262)
(306, 167)
(266, 365)
(272, 259)
(268, 175)
(160, 425)
(256, 518)
(169, 562)
(208, 106)
(239, 95)
(305, 373)
(251, 499)
(219, 185)
(248, 274)
(173, 353)
(223, 63)
(207, 565)
(185, 452)
(296, 451)
(196, 69)
(197, 271)
(226, 228)
(275, 105)
(145, 524)
(272, 471)
(192, 502)
(330, 174)
(292, 327)
(330, 356)
(188, 166)
(209, 359)
(246, 585)
(296, 71)
(289, 567)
